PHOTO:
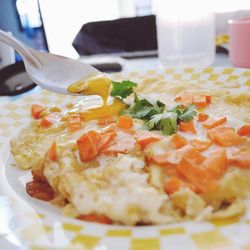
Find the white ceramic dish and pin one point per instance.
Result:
(27, 223)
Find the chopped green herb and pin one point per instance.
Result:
(154, 113)
(144, 109)
(166, 122)
(122, 89)
(188, 114)
(154, 121)
(185, 114)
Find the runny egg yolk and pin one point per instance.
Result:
(98, 85)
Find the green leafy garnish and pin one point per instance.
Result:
(144, 109)
(185, 114)
(122, 89)
(154, 114)
(188, 114)
(166, 122)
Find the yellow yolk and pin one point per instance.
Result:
(98, 85)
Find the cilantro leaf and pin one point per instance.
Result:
(177, 109)
(144, 109)
(159, 106)
(153, 113)
(188, 114)
(154, 121)
(167, 122)
(185, 114)
(122, 89)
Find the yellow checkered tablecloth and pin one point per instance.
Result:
(40, 229)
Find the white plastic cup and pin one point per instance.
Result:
(7, 55)
(186, 34)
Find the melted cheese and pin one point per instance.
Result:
(98, 85)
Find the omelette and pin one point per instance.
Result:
(141, 157)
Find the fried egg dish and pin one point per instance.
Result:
(141, 157)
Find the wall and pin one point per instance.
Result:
(63, 19)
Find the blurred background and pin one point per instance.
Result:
(53, 24)
(115, 35)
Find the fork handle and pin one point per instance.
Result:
(23, 50)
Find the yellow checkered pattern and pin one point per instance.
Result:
(41, 231)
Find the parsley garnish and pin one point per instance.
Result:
(166, 122)
(144, 109)
(154, 113)
(184, 114)
(122, 89)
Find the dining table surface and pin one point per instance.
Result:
(140, 65)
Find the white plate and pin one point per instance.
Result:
(29, 223)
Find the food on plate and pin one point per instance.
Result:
(138, 159)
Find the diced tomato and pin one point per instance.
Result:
(93, 143)
(244, 131)
(227, 139)
(216, 163)
(188, 169)
(224, 136)
(200, 145)
(125, 122)
(165, 159)
(191, 153)
(202, 117)
(217, 130)
(146, 137)
(36, 110)
(88, 145)
(173, 184)
(197, 176)
(200, 101)
(173, 157)
(187, 127)
(178, 141)
(212, 123)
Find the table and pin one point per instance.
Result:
(129, 65)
